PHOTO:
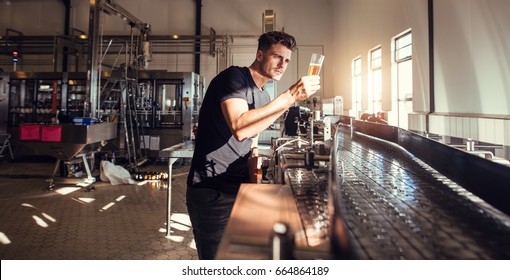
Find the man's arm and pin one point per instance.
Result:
(246, 123)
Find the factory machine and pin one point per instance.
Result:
(45, 114)
(122, 110)
(342, 188)
(167, 106)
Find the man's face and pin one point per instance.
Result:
(274, 62)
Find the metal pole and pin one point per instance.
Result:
(93, 59)
(169, 197)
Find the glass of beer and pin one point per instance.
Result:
(315, 64)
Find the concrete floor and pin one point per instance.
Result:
(121, 222)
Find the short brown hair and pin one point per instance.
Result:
(268, 39)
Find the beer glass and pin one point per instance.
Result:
(315, 64)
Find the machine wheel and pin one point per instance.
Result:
(91, 188)
(50, 187)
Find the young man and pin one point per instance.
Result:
(235, 109)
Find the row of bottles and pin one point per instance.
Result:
(29, 110)
(143, 176)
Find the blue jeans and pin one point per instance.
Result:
(209, 210)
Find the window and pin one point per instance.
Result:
(375, 81)
(356, 88)
(403, 78)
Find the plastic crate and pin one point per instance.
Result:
(51, 133)
(85, 121)
(29, 132)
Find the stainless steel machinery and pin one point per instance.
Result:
(71, 144)
(165, 106)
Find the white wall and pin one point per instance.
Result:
(361, 25)
(472, 56)
(472, 70)
(44, 17)
(471, 61)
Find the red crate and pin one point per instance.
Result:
(51, 133)
(29, 132)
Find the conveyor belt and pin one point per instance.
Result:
(397, 207)
(309, 187)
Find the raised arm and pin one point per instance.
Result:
(246, 123)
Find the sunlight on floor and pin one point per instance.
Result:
(179, 222)
(67, 190)
(85, 199)
(192, 244)
(48, 217)
(39, 221)
(112, 203)
(181, 219)
(175, 238)
(4, 239)
(107, 206)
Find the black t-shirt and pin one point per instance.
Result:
(219, 160)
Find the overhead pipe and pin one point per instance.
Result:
(45, 44)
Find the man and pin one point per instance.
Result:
(235, 109)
